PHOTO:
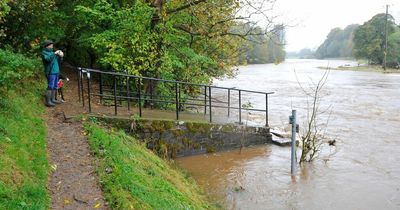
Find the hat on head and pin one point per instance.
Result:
(47, 43)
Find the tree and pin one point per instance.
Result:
(186, 40)
(26, 23)
(313, 134)
(393, 56)
(369, 38)
(183, 40)
(339, 43)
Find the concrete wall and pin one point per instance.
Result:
(174, 139)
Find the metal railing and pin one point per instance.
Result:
(121, 87)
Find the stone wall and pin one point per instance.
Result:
(177, 138)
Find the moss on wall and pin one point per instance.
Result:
(200, 128)
(168, 138)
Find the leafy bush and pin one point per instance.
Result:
(15, 67)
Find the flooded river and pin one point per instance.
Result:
(361, 172)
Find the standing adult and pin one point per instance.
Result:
(51, 69)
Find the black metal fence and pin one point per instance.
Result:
(129, 90)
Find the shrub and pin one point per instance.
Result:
(14, 68)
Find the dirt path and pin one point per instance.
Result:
(73, 184)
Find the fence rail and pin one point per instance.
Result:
(131, 88)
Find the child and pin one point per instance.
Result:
(60, 86)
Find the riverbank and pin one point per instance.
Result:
(133, 177)
(371, 68)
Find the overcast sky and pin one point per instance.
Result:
(313, 19)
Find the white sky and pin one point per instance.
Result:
(313, 19)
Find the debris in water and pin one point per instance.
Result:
(238, 188)
(332, 142)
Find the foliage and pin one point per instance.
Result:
(393, 56)
(29, 22)
(135, 178)
(369, 39)
(15, 69)
(338, 44)
(4, 10)
(192, 41)
(23, 160)
(128, 38)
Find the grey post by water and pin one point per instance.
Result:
(292, 120)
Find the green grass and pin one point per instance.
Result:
(23, 156)
(133, 177)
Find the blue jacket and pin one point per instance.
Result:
(50, 62)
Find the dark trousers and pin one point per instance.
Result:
(60, 91)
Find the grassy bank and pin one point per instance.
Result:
(371, 68)
(23, 155)
(133, 177)
(23, 160)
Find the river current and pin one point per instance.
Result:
(361, 172)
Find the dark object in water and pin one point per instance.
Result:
(332, 142)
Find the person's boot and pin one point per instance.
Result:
(53, 97)
(48, 101)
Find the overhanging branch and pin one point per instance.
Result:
(185, 6)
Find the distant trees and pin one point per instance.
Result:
(305, 53)
(365, 41)
(338, 44)
(369, 40)
(268, 48)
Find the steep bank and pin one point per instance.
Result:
(133, 177)
(23, 160)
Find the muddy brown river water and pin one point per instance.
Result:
(361, 172)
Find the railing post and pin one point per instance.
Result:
(115, 95)
(266, 110)
(205, 100)
(140, 97)
(79, 83)
(240, 107)
(128, 94)
(101, 88)
(209, 101)
(179, 97)
(177, 101)
(120, 90)
(229, 102)
(151, 93)
(88, 92)
(82, 91)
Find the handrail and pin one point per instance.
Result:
(170, 81)
(207, 101)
